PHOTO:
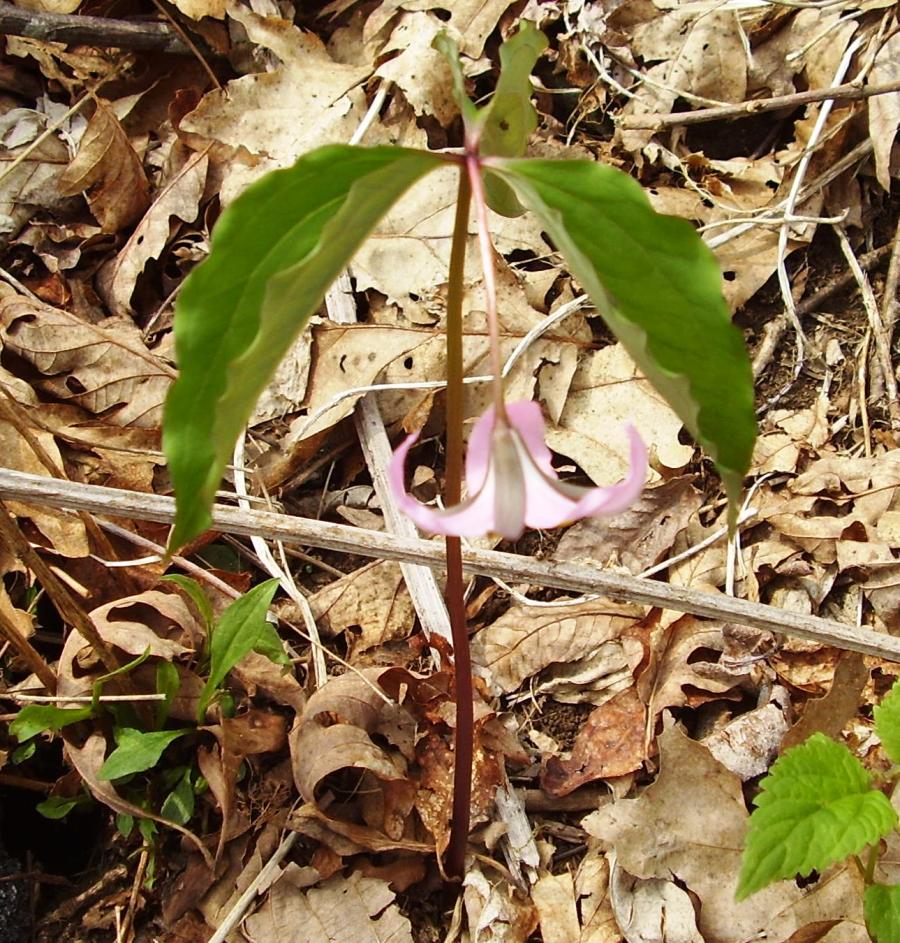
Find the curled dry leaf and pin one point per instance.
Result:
(334, 733)
(139, 624)
(496, 912)
(109, 172)
(249, 734)
(686, 667)
(348, 838)
(180, 197)
(611, 743)
(527, 639)
(107, 370)
(161, 624)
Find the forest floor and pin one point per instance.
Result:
(626, 740)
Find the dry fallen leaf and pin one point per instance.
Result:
(638, 537)
(343, 908)
(528, 639)
(105, 369)
(305, 102)
(690, 826)
(179, 197)
(606, 393)
(687, 666)
(611, 743)
(109, 172)
(554, 897)
(373, 598)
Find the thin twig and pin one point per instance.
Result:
(10, 631)
(880, 335)
(264, 878)
(775, 329)
(63, 600)
(79, 698)
(90, 30)
(35, 489)
(847, 92)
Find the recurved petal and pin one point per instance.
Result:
(618, 497)
(472, 518)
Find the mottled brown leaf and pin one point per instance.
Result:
(611, 743)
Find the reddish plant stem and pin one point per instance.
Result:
(454, 861)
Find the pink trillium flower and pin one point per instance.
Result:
(512, 483)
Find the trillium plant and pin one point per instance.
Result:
(277, 248)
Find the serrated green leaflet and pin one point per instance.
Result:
(658, 288)
(881, 906)
(816, 807)
(887, 723)
(274, 253)
(137, 751)
(241, 629)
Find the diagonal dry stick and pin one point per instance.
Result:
(850, 91)
(112, 502)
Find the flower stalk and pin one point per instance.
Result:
(454, 590)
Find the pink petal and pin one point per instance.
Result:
(478, 451)
(528, 420)
(616, 498)
(472, 518)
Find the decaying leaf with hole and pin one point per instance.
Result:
(106, 369)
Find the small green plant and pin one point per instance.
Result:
(240, 629)
(276, 249)
(817, 806)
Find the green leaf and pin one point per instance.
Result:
(658, 288)
(887, 723)
(240, 629)
(24, 752)
(816, 807)
(36, 718)
(178, 806)
(137, 751)
(274, 253)
(124, 824)
(168, 683)
(881, 906)
(58, 807)
(194, 591)
(510, 119)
